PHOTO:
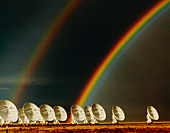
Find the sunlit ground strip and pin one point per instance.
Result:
(160, 126)
(100, 123)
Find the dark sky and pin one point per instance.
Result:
(85, 38)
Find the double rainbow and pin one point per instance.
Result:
(125, 40)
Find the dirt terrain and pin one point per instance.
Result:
(104, 127)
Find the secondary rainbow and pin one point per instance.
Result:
(40, 49)
(137, 27)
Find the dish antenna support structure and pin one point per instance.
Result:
(1, 121)
(152, 114)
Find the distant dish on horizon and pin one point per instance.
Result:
(47, 112)
(33, 113)
(117, 114)
(60, 114)
(99, 112)
(77, 114)
(152, 114)
(8, 111)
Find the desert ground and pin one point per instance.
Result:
(86, 128)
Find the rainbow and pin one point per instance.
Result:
(40, 49)
(132, 33)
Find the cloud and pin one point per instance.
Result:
(4, 88)
(8, 80)
(14, 80)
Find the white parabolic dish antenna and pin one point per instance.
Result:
(32, 111)
(60, 113)
(153, 113)
(8, 111)
(22, 115)
(77, 112)
(47, 112)
(88, 113)
(118, 113)
(98, 112)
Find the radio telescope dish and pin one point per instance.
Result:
(47, 112)
(152, 114)
(32, 112)
(77, 114)
(8, 111)
(89, 114)
(98, 112)
(60, 113)
(117, 114)
(22, 117)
